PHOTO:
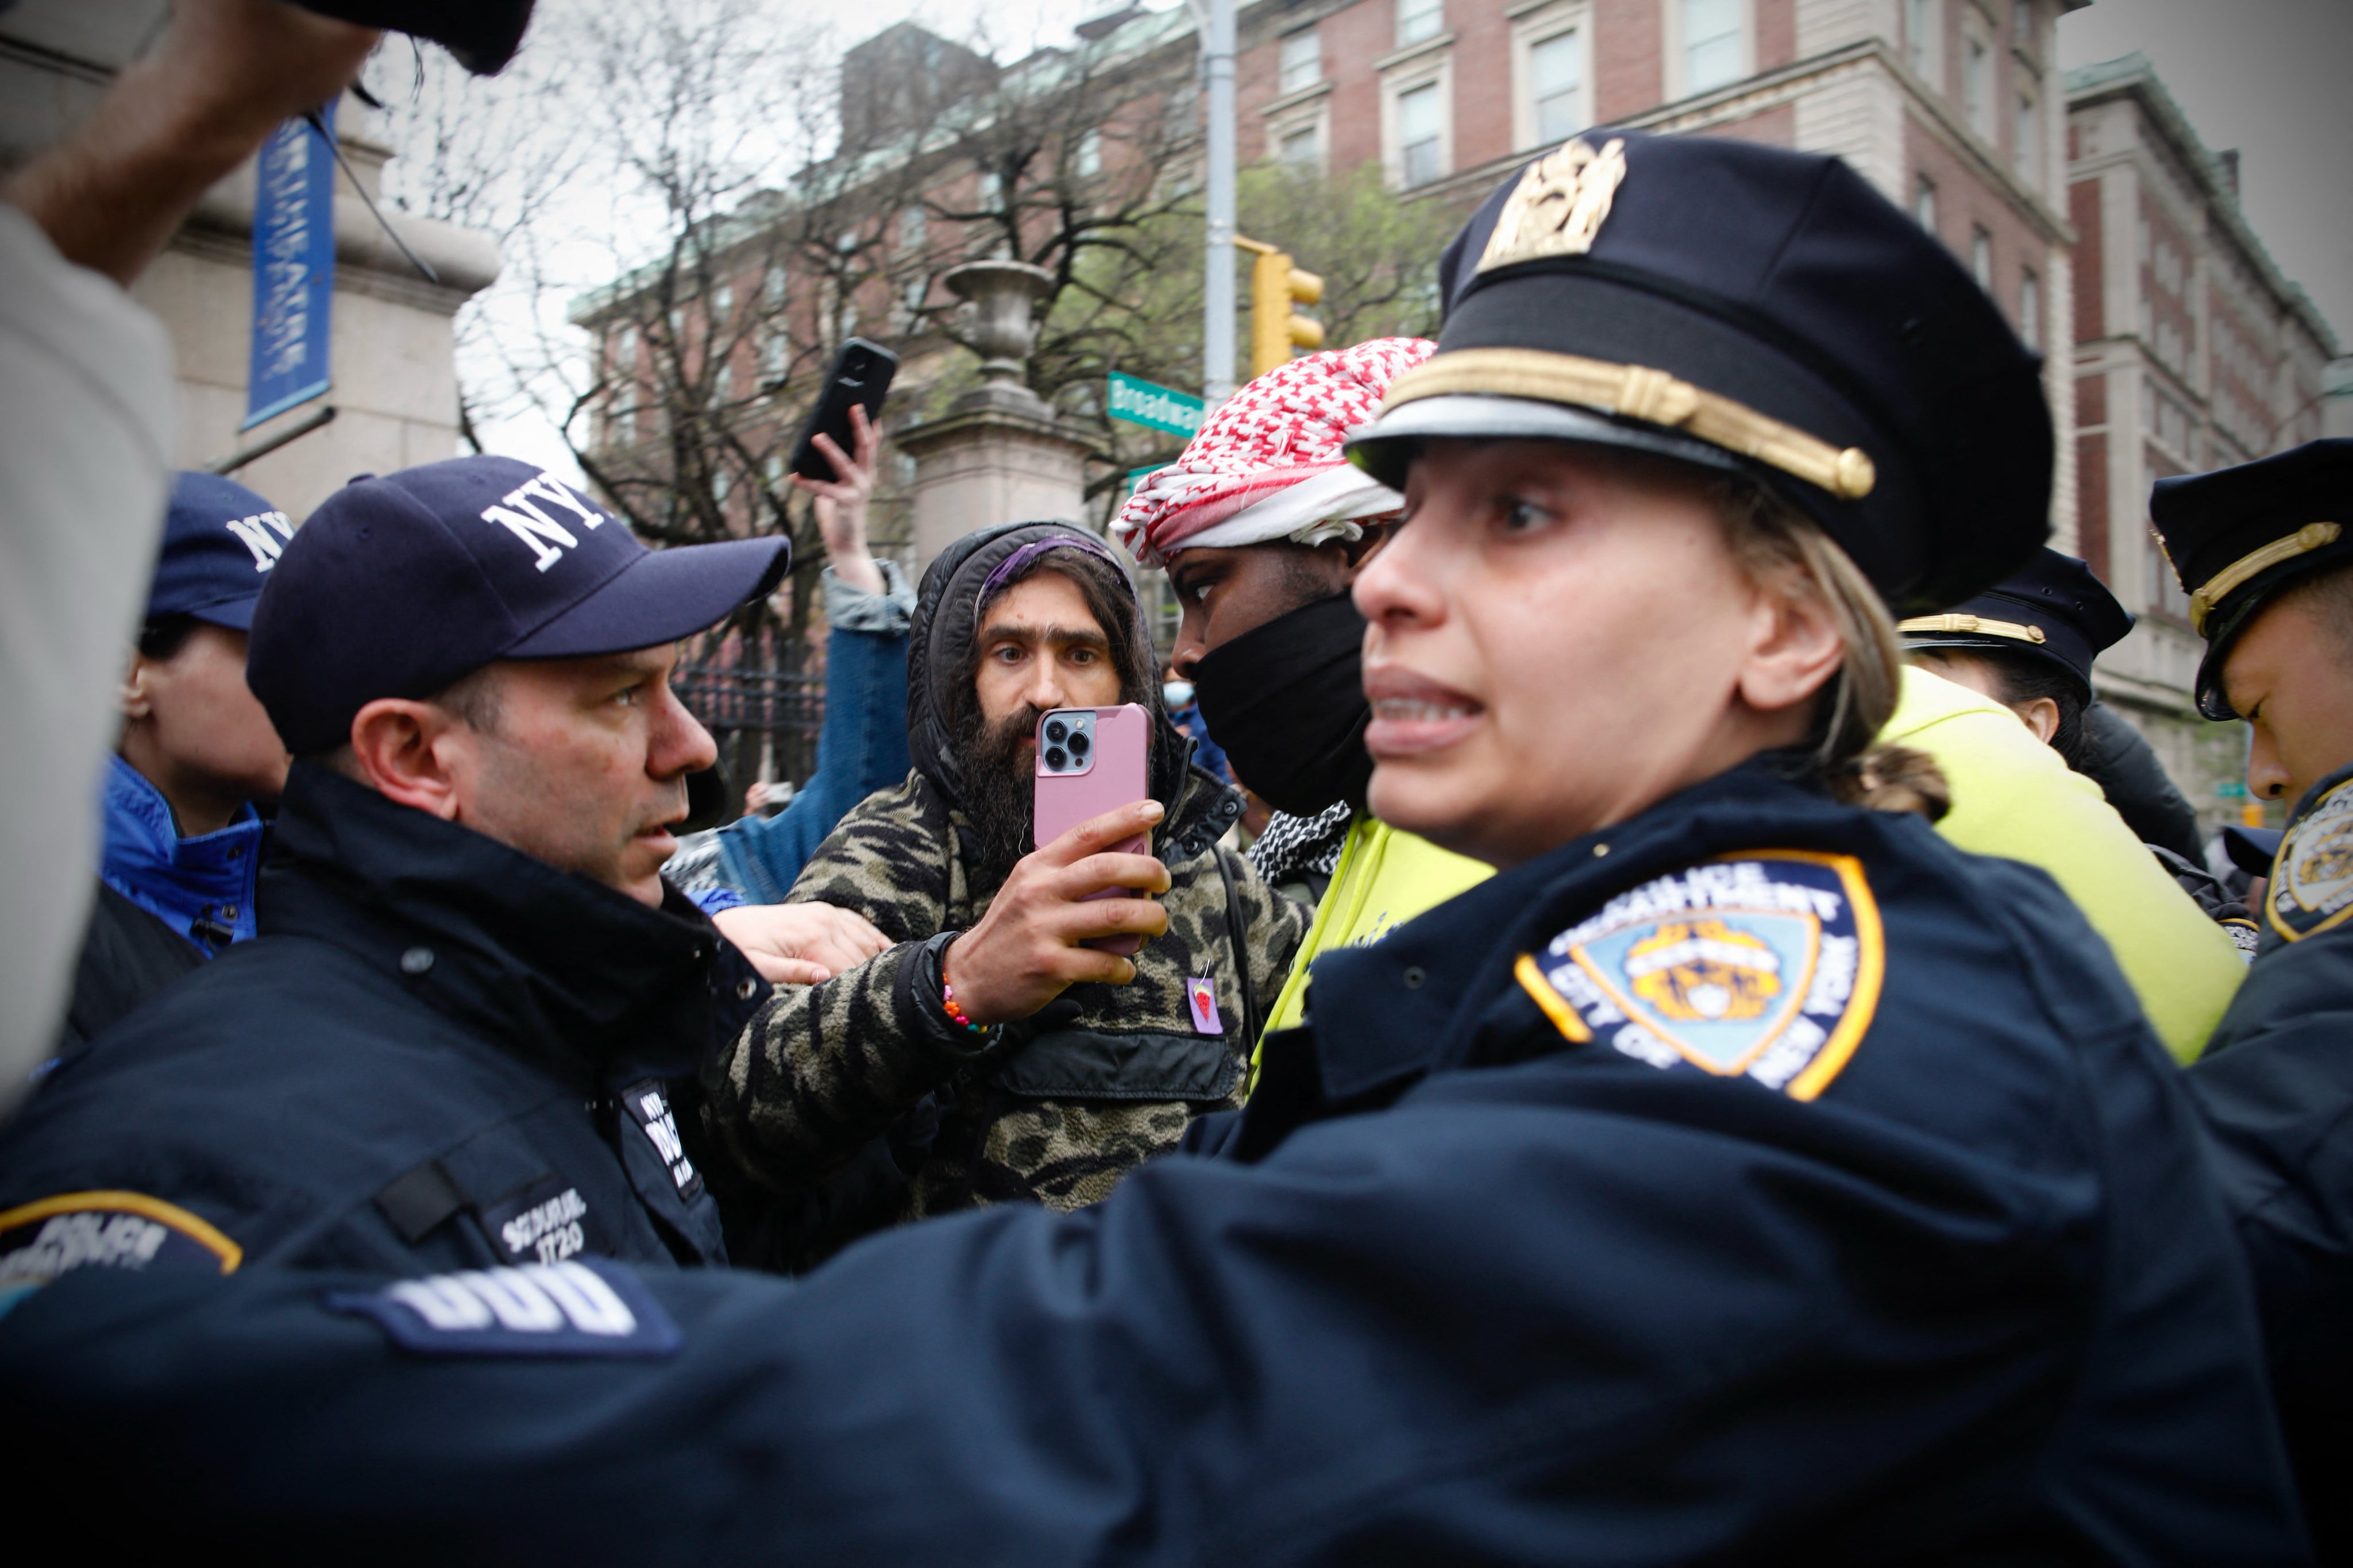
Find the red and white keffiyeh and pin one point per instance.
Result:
(1266, 463)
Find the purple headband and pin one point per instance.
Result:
(1021, 558)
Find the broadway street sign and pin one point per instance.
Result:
(1153, 408)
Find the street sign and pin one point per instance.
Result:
(2232, 789)
(293, 268)
(1153, 408)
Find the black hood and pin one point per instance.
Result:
(939, 649)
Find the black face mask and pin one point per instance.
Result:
(1287, 702)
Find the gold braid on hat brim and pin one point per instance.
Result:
(1639, 392)
(2312, 536)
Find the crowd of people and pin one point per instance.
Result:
(1721, 1048)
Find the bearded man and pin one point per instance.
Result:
(1005, 1060)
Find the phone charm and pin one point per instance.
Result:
(1203, 997)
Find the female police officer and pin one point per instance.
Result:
(1738, 1174)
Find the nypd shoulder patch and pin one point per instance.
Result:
(1767, 965)
(2312, 876)
(569, 1309)
(39, 1241)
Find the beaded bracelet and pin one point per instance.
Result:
(948, 1006)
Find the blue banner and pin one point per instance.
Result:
(293, 270)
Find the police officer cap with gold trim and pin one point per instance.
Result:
(2053, 609)
(1752, 310)
(2238, 536)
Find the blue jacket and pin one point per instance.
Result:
(1758, 1180)
(202, 888)
(2276, 1087)
(862, 747)
(439, 1053)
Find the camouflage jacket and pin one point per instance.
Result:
(1054, 1108)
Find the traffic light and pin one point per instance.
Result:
(1277, 288)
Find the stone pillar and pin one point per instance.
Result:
(1001, 454)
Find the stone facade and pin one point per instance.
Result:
(2192, 352)
(395, 387)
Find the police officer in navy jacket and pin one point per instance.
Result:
(2265, 552)
(1742, 1174)
(448, 1045)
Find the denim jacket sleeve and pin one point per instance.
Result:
(862, 748)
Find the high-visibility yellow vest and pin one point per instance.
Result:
(2013, 796)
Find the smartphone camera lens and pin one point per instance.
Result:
(1056, 730)
(1079, 745)
(1055, 759)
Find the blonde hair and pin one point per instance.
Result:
(1777, 545)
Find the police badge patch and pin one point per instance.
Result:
(2312, 876)
(39, 1241)
(1766, 965)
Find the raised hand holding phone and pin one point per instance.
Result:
(1029, 947)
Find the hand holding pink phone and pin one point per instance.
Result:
(1090, 760)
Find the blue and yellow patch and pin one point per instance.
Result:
(39, 1241)
(2312, 876)
(1767, 965)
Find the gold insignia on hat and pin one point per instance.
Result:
(1639, 392)
(2312, 536)
(2014, 630)
(1557, 208)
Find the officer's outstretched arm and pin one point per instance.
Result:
(1519, 1317)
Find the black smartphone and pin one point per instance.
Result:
(861, 374)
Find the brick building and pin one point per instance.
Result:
(2082, 201)
(2192, 352)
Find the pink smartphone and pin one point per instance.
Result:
(1090, 760)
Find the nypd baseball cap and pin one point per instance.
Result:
(220, 540)
(400, 584)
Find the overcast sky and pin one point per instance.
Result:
(2274, 79)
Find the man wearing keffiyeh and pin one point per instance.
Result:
(1260, 525)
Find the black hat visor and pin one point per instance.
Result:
(1387, 447)
(659, 598)
(2240, 606)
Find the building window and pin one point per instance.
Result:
(1301, 61)
(722, 307)
(2022, 23)
(1419, 20)
(1924, 31)
(1088, 162)
(1981, 258)
(776, 350)
(1557, 81)
(1713, 50)
(721, 484)
(1924, 203)
(625, 352)
(723, 384)
(773, 289)
(1419, 130)
(914, 229)
(1977, 86)
(1298, 148)
(991, 191)
(2026, 140)
(2030, 309)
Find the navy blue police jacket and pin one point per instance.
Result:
(1759, 1179)
(440, 1053)
(2275, 1086)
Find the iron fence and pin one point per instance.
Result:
(756, 716)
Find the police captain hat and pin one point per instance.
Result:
(1749, 310)
(397, 586)
(2053, 609)
(220, 540)
(2238, 537)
